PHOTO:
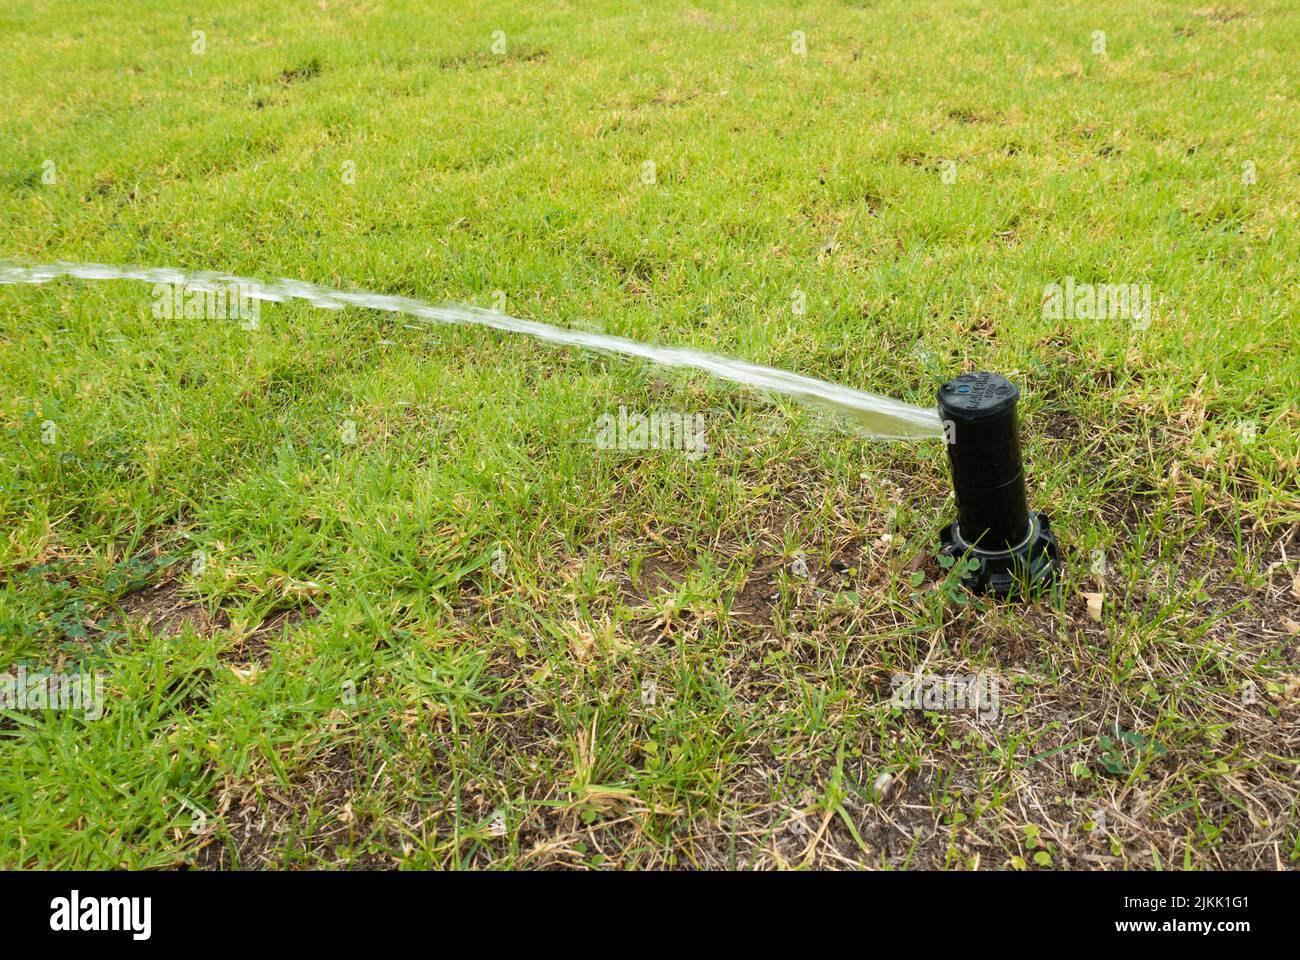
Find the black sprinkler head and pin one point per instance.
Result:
(1012, 546)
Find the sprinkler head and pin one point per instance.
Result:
(1013, 548)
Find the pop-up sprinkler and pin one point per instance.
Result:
(1012, 547)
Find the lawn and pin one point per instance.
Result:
(365, 593)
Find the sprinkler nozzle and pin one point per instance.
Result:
(1013, 548)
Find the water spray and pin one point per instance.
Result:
(867, 413)
(1013, 548)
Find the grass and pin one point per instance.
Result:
(472, 637)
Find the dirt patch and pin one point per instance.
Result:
(306, 71)
(311, 820)
(754, 601)
(165, 609)
(965, 115)
(481, 59)
(1220, 14)
(256, 646)
(657, 574)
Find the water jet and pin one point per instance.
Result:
(1013, 548)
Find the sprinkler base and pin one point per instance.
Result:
(1019, 571)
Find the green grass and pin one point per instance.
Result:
(353, 675)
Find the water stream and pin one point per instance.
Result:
(870, 414)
